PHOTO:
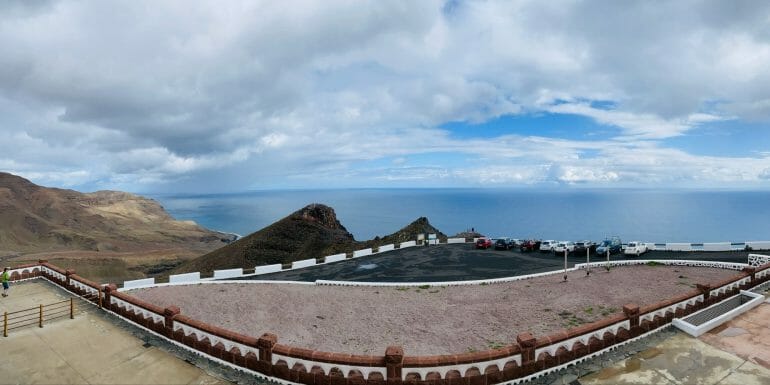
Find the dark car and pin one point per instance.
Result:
(501, 244)
(483, 243)
(612, 244)
(529, 245)
(582, 246)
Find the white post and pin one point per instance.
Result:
(565, 262)
(588, 267)
(608, 259)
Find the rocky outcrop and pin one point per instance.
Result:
(420, 225)
(310, 232)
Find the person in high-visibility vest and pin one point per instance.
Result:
(5, 277)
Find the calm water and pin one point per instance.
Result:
(650, 216)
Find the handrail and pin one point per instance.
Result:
(55, 310)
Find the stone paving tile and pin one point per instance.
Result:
(680, 359)
(91, 348)
(747, 336)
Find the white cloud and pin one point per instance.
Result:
(140, 94)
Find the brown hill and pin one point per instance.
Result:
(420, 225)
(310, 232)
(51, 223)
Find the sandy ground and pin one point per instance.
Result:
(434, 320)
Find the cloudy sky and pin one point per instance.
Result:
(188, 96)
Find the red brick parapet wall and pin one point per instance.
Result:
(517, 361)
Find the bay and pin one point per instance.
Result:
(647, 215)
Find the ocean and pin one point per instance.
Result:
(645, 215)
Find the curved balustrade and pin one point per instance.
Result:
(525, 358)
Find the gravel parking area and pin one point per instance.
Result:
(426, 320)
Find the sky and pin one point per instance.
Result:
(210, 96)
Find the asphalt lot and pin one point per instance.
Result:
(462, 262)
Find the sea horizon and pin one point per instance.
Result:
(646, 214)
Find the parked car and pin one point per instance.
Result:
(483, 243)
(612, 244)
(582, 246)
(513, 243)
(547, 246)
(636, 248)
(564, 245)
(529, 245)
(501, 244)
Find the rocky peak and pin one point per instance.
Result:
(321, 214)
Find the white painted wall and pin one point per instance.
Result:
(335, 258)
(759, 245)
(361, 253)
(138, 283)
(404, 245)
(189, 277)
(679, 246)
(303, 263)
(267, 269)
(455, 240)
(718, 246)
(229, 273)
(385, 248)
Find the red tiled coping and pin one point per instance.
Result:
(332, 358)
(138, 302)
(54, 268)
(215, 330)
(668, 302)
(464, 358)
(85, 281)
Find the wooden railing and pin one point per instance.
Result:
(37, 315)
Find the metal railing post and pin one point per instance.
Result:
(588, 257)
(565, 263)
(5, 324)
(72, 308)
(40, 320)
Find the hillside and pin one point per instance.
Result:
(311, 232)
(51, 223)
(409, 233)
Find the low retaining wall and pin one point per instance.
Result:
(303, 263)
(362, 253)
(267, 269)
(404, 245)
(385, 248)
(137, 283)
(228, 273)
(519, 361)
(335, 258)
(758, 259)
(184, 278)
